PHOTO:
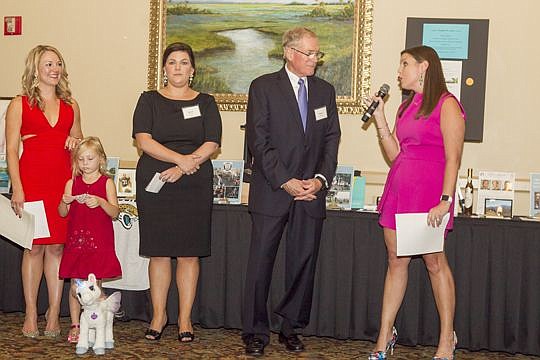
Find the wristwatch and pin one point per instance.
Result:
(446, 198)
(322, 180)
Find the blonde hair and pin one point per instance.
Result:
(89, 143)
(30, 82)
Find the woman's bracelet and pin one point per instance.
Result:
(383, 132)
(384, 136)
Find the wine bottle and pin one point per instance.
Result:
(467, 208)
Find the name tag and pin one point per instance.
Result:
(320, 113)
(191, 112)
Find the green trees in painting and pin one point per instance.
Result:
(321, 10)
(183, 8)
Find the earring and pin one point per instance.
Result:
(421, 80)
(165, 79)
(35, 82)
(190, 80)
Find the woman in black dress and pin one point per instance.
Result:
(177, 129)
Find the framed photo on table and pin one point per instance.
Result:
(236, 42)
(125, 183)
(498, 208)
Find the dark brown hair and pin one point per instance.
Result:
(178, 46)
(434, 83)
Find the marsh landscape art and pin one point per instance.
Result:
(236, 41)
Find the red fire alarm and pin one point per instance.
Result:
(12, 25)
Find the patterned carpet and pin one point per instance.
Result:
(209, 344)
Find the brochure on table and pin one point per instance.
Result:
(339, 194)
(227, 181)
(494, 185)
(535, 195)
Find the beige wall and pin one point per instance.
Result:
(105, 47)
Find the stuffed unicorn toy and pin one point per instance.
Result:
(96, 318)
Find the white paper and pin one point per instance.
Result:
(37, 208)
(155, 184)
(134, 267)
(18, 230)
(415, 236)
(452, 75)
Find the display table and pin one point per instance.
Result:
(495, 264)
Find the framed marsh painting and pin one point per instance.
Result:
(236, 41)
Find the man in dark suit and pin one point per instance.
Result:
(293, 135)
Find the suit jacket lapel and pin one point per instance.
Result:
(290, 96)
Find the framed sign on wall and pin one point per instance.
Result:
(462, 47)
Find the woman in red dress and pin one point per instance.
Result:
(47, 121)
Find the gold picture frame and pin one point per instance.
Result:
(349, 102)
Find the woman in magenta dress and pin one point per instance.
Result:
(425, 150)
(46, 119)
(90, 203)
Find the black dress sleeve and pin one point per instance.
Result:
(143, 119)
(212, 122)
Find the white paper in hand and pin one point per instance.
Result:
(18, 230)
(37, 208)
(415, 236)
(155, 184)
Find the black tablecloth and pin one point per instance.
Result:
(495, 264)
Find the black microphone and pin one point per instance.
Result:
(383, 91)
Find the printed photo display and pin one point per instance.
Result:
(496, 186)
(125, 184)
(112, 167)
(535, 195)
(227, 181)
(339, 194)
(498, 207)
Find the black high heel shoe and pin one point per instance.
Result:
(453, 351)
(186, 336)
(155, 335)
(381, 355)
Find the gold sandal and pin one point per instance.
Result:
(51, 333)
(30, 334)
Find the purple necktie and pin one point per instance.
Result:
(302, 101)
